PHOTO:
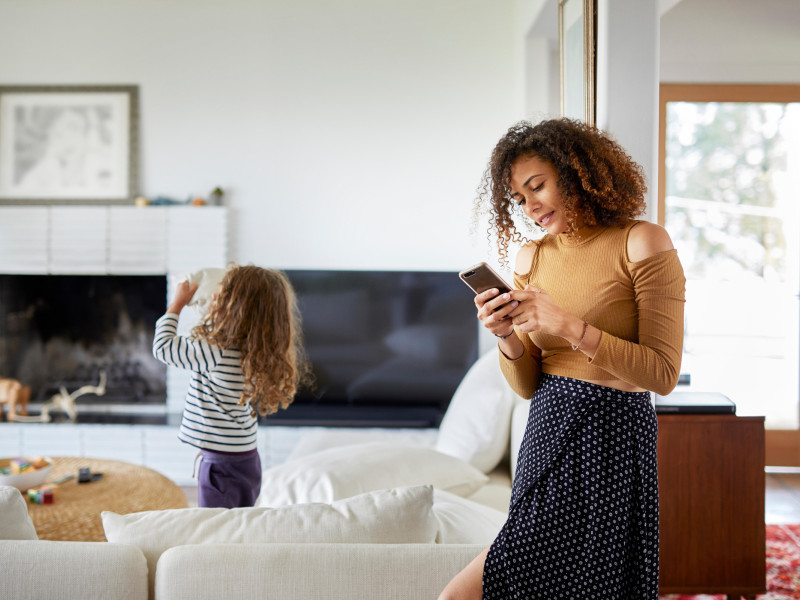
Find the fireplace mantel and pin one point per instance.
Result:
(112, 240)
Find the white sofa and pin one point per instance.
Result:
(347, 516)
(35, 570)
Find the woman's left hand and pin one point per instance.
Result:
(537, 311)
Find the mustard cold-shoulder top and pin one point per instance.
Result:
(638, 307)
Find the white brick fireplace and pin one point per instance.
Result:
(115, 240)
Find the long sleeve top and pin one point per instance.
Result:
(212, 419)
(638, 307)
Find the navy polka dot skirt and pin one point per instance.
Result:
(583, 520)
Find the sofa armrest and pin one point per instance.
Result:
(86, 570)
(309, 571)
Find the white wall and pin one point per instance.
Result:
(627, 82)
(349, 133)
(731, 41)
(627, 74)
(353, 133)
(642, 43)
(542, 83)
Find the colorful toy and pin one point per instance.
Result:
(45, 494)
(22, 465)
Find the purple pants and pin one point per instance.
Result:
(228, 480)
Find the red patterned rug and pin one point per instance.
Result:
(783, 566)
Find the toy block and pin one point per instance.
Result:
(45, 494)
(20, 465)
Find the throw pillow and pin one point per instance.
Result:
(350, 470)
(394, 516)
(463, 521)
(326, 438)
(475, 427)
(15, 524)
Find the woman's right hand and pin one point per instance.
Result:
(493, 311)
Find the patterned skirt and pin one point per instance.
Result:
(583, 520)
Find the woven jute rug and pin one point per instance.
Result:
(124, 488)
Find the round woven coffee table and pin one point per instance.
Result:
(124, 488)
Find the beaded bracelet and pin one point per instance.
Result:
(578, 345)
(502, 337)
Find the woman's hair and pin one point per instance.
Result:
(600, 184)
(255, 311)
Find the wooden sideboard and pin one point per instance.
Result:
(711, 496)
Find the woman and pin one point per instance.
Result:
(595, 323)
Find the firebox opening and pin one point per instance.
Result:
(64, 332)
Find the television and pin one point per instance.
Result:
(386, 348)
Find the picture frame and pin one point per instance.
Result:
(577, 41)
(68, 144)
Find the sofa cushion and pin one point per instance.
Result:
(462, 521)
(310, 571)
(44, 569)
(349, 470)
(403, 515)
(475, 427)
(15, 523)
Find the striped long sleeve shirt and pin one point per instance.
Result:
(213, 419)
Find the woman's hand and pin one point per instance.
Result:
(537, 311)
(493, 311)
(183, 294)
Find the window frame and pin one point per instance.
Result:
(782, 445)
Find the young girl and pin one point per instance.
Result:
(246, 359)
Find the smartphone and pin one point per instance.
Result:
(482, 277)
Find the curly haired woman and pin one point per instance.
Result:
(246, 359)
(594, 324)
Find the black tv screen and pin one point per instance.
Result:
(387, 348)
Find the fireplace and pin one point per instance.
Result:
(72, 331)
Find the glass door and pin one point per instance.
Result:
(731, 203)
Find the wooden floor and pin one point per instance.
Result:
(782, 497)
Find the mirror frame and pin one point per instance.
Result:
(587, 69)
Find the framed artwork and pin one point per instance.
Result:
(68, 144)
(577, 40)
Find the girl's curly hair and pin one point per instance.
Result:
(600, 184)
(255, 311)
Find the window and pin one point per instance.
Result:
(729, 199)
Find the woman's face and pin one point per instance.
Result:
(534, 187)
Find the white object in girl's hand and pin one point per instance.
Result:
(207, 281)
